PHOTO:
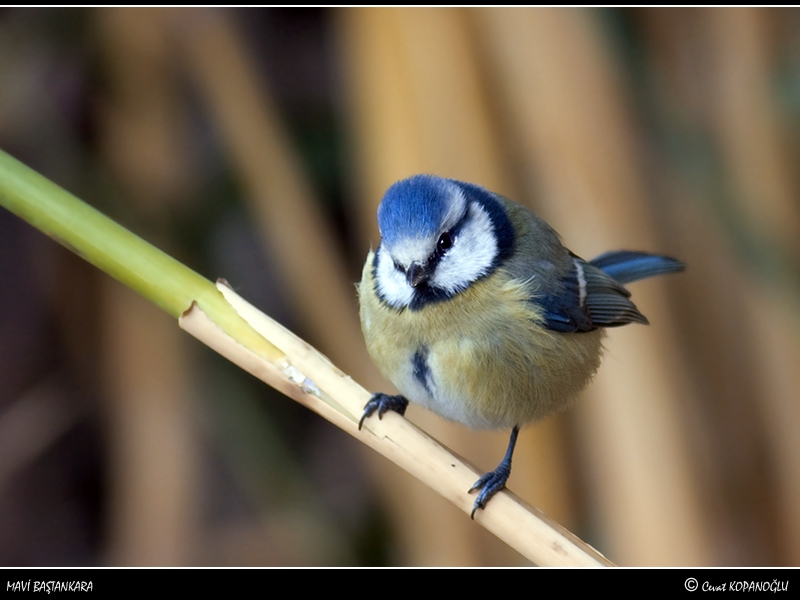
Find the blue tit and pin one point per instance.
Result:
(473, 308)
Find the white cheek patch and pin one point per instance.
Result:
(392, 284)
(472, 254)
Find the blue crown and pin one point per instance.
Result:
(415, 207)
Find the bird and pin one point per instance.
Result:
(473, 308)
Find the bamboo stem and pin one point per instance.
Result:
(116, 251)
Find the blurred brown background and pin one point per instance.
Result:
(255, 145)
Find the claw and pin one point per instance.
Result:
(489, 484)
(494, 481)
(383, 402)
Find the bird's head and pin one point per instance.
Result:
(438, 236)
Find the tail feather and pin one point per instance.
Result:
(626, 266)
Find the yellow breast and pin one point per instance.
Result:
(482, 357)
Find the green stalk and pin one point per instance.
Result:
(120, 253)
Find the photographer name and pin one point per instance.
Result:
(747, 586)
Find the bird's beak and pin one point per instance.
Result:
(416, 274)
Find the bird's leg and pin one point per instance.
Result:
(383, 402)
(494, 481)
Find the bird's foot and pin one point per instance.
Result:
(489, 484)
(383, 402)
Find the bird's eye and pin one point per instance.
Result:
(445, 242)
(399, 267)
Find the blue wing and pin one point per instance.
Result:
(592, 295)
